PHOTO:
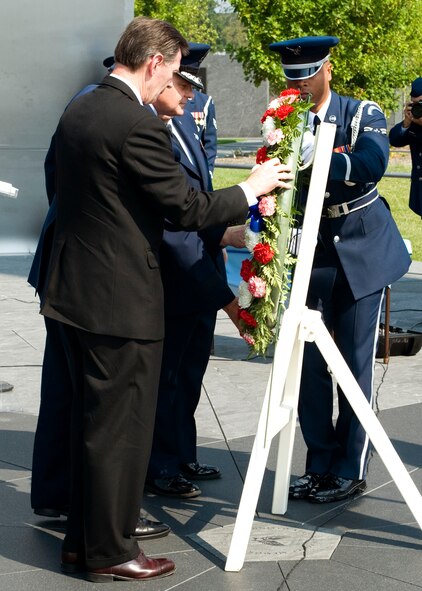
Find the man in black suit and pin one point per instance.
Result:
(116, 181)
(50, 478)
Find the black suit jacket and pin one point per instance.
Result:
(116, 181)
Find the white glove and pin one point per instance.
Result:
(307, 148)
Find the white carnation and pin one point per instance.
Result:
(252, 239)
(245, 296)
(274, 104)
(267, 127)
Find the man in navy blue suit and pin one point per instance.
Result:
(409, 133)
(359, 252)
(195, 288)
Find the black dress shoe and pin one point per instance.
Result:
(140, 568)
(148, 529)
(335, 488)
(51, 513)
(301, 487)
(197, 471)
(176, 486)
(71, 563)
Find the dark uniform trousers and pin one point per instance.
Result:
(50, 483)
(185, 358)
(114, 398)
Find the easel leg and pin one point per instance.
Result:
(287, 435)
(248, 503)
(314, 325)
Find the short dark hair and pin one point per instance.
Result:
(144, 37)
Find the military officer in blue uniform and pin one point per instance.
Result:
(195, 288)
(359, 252)
(409, 133)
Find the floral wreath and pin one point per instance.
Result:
(266, 275)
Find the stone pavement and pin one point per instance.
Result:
(371, 543)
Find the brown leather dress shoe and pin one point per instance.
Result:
(197, 471)
(140, 568)
(147, 529)
(301, 487)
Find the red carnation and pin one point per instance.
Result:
(284, 111)
(246, 270)
(263, 253)
(261, 155)
(268, 113)
(247, 318)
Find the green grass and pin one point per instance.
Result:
(395, 190)
(225, 177)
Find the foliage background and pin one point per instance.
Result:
(379, 48)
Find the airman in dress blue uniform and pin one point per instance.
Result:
(195, 288)
(359, 252)
(409, 133)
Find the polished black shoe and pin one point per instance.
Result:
(176, 486)
(138, 569)
(335, 488)
(301, 487)
(147, 529)
(51, 513)
(197, 471)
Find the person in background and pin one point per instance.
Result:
(195, 288)
(359, 252)
(409, 133)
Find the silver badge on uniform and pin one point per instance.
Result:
(332, 118)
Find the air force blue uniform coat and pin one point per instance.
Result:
(195, 288)
(357, 255)
(202, 109)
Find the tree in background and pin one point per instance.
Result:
(379, 49)
(195, 19)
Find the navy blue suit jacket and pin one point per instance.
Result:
(192, 264)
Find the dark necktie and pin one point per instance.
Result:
(317, 121)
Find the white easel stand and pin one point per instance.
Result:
(279, 410)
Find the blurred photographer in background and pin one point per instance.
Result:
(409, 133)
